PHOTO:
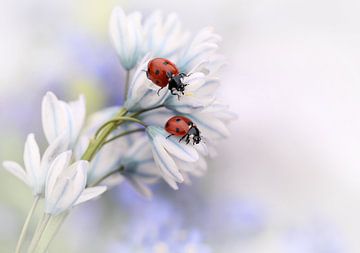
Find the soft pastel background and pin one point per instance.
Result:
(288, 180)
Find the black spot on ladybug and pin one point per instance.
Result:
(167, 124)
(177, 120)
(177, 130)
(157, 72)
(165, 62)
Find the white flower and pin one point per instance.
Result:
(163, 36)
(36, 168)
(166, 150)
(142, 92)
(59, 117)
(65, 185)
(127, 36)
(61, 124)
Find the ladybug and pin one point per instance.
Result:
(163, 72)
(184, 127)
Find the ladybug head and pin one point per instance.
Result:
(181, 87)
(197, 139)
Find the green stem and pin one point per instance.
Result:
(125, 118)
(96, 143)
(146, 110)
(123, 134)
(117, 121)
(49, 232)
(26, 224)
(39, 232)
(127, 79)
(107, 175)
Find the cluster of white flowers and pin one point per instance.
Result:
(49, 175)
(145, 154)
(195, 55)
(140, 158)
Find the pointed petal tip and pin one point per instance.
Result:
(90, 193)
(17, 170)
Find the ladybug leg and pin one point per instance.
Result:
(147, 73)
(158, 92)
(183, 137)
(187, 139)
(169, 136)
(173, 91)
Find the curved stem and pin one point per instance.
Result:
(118, 121)
(146, 110)
(39, 232)
(127, 79)
(125, 118)
(96, 143)
(107, 175)
(26, 224)
(114, 120)
(123, 134)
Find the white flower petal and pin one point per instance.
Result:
(140, 187)
(126, 34)
(210, 127)
(195, 81)
(52, 205)
(156, 117)
(172, 145)
(90, 193)
(67, 189)
(179, 149)
(201, 48)
(165, 162)
(209, 88)
(58, 146)
(55, 170)
(202, 148)
(189, 103)
(54, 117)
(199, 94)
(138, 150)
(160, 148)
(32, 162)
(171, 182)
(18, 171)
(142, 93)
(78, 111)
(163, 37)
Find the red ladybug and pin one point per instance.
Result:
(184, 127)
(163, 72)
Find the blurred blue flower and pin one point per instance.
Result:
(159, 228)
(316, 236)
